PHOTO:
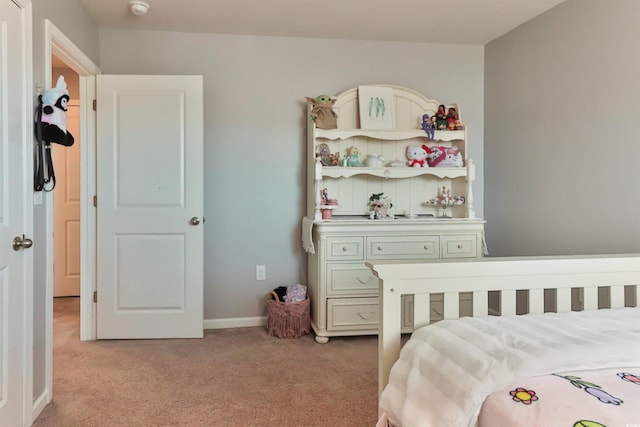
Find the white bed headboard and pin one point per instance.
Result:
(507, 275)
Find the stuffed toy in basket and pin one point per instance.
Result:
(288, 312)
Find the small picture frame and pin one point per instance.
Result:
(376, 107)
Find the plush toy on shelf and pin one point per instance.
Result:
(418, 156)
(445, 157)
(380, 206)
(353, 157)
(322, 112)
(374, 161)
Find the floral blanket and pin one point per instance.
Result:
(593, 398)
(447, 369)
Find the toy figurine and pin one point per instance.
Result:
(324, 198)
(453, 121)
(322, 112)
(440, 118)
(427, 127)
(353, 157)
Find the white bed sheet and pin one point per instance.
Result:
(447, 369)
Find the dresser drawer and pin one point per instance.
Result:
(400, 247)
(351, 279)
(460, 246)
(352, 314)
(345, 248)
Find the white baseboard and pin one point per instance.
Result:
(40, 403)
(236, 322)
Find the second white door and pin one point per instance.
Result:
(149, 206)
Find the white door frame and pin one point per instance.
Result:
(58, 44)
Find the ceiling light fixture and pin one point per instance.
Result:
(138, 7)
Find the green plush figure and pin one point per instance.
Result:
(322, 112)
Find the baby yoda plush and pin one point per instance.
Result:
(322, 112)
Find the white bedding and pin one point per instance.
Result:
(446, 369)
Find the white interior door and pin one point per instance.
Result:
(150, 205)
(13, 193)
(66, 210)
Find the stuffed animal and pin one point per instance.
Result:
(417, 156)
(54, 114)
(374, 161)
(380, 206)
(445, 157)
(322, 112)
(353, 157)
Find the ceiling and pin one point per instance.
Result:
(475, 22)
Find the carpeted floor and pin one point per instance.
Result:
(231, 377)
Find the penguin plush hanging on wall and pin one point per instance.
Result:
(54, 114)
(51, 127)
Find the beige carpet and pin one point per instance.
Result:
(231, 377)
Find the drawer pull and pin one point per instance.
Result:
(366, 316)
(344, 249)
(460, 246)
(426, 247)
(380, 248)
(364, 282)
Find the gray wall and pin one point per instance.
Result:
(69, 16)
(254, 89)
(561, 141)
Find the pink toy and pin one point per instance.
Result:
(418, 156)
(445, 157)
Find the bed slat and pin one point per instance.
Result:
(451, 305)
(421, 316)
(617, 296)
(480, 303)
(536, 301)
(508, 302)
(563, 300)
(591, 298)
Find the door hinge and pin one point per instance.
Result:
(95, 296)
(95, 201)
(95, 105)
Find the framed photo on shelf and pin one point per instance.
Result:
(376, 107)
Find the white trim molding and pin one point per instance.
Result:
(28, 308)
(58, 44)
(235, 322)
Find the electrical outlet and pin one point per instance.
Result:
(261, 272)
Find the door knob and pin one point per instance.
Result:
(21, 243)
(194, 221)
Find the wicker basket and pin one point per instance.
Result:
(288, 319)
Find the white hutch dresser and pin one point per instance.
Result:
(342, 289)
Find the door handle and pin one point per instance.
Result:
(21, 243)
(194, 221)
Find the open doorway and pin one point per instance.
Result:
(66, 213)
(66, 196)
